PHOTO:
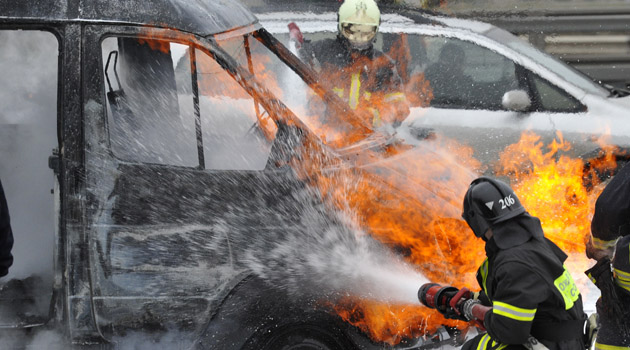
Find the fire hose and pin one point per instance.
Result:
(461, 304)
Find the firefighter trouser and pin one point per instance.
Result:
(610, 335)
(484, 342)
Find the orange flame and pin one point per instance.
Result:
(561, 191)
(401, 197)
(390, 323)
(552, 187)
(389, 203)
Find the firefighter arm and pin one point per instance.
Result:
(518, 292)
(467, 304)
(394, 107)
(478, 312)
(599, 249)
(474, 310)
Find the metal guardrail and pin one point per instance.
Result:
(596, 43)
(559, 24)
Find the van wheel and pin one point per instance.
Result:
(299, 337)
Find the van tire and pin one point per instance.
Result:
(256, 315)
(303, 336)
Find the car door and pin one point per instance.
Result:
(178, 180)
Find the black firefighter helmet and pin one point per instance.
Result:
(487, 202)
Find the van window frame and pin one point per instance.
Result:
(153, 34)
(256, 90)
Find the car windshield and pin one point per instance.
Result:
(286, 85)
(553, 64)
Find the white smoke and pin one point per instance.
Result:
(28, 133)
(333, 257)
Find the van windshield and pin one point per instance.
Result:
(286, 85)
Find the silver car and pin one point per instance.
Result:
(487, 86)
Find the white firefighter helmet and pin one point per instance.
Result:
(359, 21)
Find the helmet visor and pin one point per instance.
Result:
(359, 35)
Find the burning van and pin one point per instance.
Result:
(176, 176)
(173, 171)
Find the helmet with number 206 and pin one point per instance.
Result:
(487, 202)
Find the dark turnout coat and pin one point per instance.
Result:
(529, 289)
(366, 79)
(6, 236)
(611, 220)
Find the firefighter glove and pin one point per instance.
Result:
(599, 251)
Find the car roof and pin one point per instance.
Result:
(203, 17)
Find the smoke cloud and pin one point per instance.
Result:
(28, 133)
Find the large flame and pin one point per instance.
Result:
(558, 189)
(407, 198)
(552, 187)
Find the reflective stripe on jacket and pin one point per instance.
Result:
(528, 285)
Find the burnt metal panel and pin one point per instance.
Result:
(202, 17)
(36, 9)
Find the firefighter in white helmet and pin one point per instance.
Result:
(359, 73)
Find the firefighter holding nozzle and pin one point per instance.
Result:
(528, 299)
(609, 244)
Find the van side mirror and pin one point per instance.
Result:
(516, 100)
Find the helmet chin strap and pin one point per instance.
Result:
(356, 48)
(360, 46)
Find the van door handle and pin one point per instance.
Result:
(54, 161)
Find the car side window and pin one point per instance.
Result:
(553, 99)
(150, 117)
(161, 113)
(465, 75)
(237, 131)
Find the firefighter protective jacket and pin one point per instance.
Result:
(366, 79)
(531, 291)
(6, 236)
(610, 221)
(611, 218)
